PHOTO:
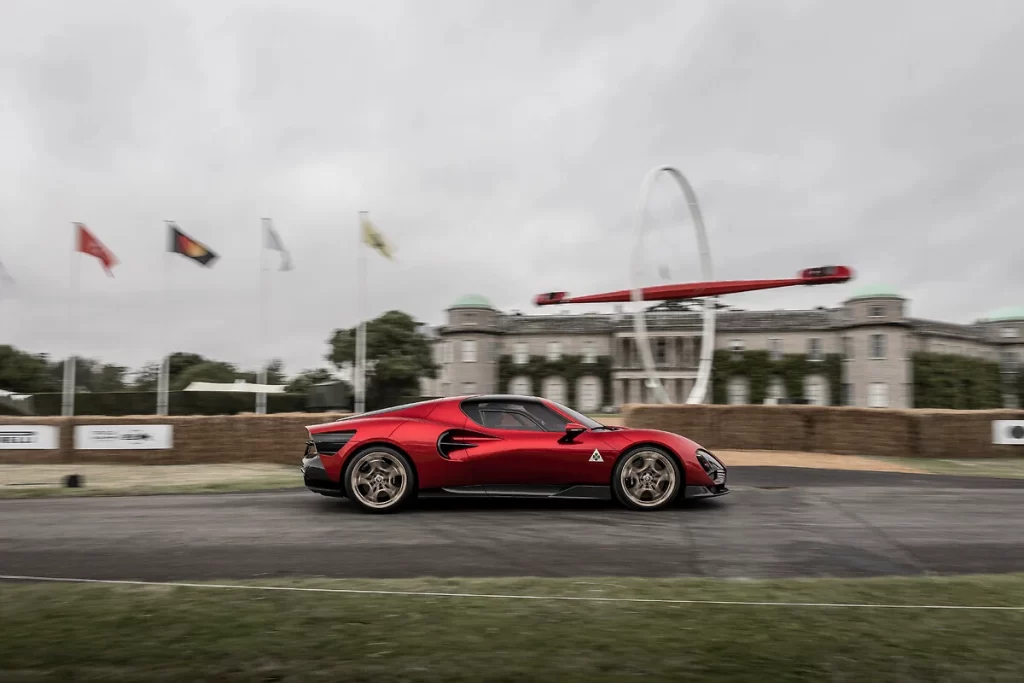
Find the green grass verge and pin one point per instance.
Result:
(1008, 468)
(256, 484)
(102, 632)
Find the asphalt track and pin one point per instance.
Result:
(778, 522)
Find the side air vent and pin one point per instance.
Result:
(458, 440)
(329, 443)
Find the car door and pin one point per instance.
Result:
(529, 448)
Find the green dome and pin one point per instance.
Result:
(873, 291)
(472, 301)
(1003, 314)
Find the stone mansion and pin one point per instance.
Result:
(873, 333)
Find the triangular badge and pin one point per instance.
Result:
(596, 457)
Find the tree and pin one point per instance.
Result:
(26, 373)
(398, 352)
(275, 374)
(304, 381)
(209, 371)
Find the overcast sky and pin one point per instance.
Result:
(501, 147)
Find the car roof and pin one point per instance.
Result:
(500, 397)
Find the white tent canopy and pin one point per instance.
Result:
(238, 386)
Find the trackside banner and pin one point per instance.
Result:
(1008, 432)
(123, 437)
(29, 437)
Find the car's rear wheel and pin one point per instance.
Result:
(647, 478)
(379, 479)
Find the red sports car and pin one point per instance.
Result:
(499, 445)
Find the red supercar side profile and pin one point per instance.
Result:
(502, 445)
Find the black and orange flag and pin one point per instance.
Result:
(186, 246)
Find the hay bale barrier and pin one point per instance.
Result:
(280, 438)
(276, 438)
(842, 430)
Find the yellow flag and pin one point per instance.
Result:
(373, 239)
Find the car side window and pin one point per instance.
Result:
(517, 415)
(549, 419)
(508, 419)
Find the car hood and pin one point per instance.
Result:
(670, 439)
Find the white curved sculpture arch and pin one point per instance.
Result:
(707, 344)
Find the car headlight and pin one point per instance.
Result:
(712, 466)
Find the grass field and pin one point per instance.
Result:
(158, 633)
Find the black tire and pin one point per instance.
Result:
(666, 468)
(367, 463)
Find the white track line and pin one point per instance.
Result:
(432, 594)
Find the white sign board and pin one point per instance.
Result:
(122, 437)
(1008, 432)
(29, 437)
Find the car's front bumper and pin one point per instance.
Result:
(695, 492)
(315, 478)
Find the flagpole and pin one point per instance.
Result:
(68, 403)
(360, 365)
(164, 377)
(261, 378)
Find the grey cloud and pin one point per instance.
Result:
(501, 148)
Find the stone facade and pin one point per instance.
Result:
(872, 330)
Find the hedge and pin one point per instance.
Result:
(180, 403)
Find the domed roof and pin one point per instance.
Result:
(472, 301)
(873, 291)
(1004, 314)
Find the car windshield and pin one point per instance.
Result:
(579, 417)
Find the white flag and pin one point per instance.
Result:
(273, 242)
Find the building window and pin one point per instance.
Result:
(469, 352)
(521, 386)
(737, 345)
(522, 353)
(554, 351)
(814, 349)
(469, 388)
(776, 390)
(469, 319)
(589, 352)
(1009, 333)
(848, 397)
(847, 348)
(877, 311)
(554, 389)
(816, 390)
(878, 346)
(449, 352)
(589, 394)
(737, 390)
(775, 349)
(1010, 360)
(878, 395)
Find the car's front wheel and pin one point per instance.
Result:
(647, 478)
(379, 479)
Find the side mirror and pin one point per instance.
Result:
(572, 430)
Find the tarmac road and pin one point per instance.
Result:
(778, 522)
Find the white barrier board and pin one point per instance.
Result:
(29, 437)
(1008, 432)
(123, 437)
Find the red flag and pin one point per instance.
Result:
(88, 244)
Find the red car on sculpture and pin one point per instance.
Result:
(501, 445)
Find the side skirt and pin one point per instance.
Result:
(581, 491)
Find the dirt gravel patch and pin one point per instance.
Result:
(827, 461)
